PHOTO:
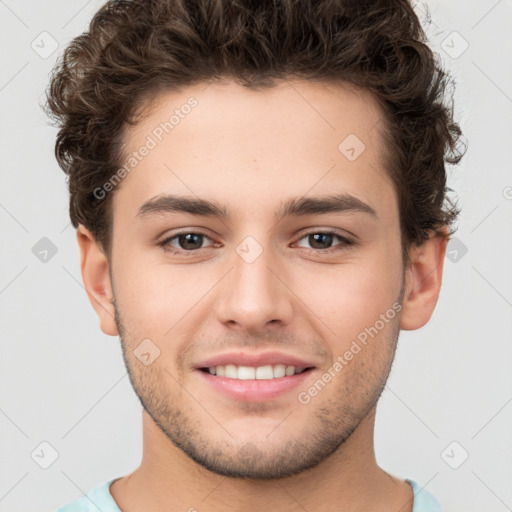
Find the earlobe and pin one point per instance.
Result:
(423, 281)
(95, 275)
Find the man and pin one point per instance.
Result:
(259, 192)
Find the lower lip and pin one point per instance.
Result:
(255, 390)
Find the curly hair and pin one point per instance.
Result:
(135, 49)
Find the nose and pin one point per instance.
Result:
(254, 295)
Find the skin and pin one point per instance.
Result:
(250, 151)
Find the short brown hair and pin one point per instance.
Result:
(135, 49)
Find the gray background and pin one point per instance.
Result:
(63, 381)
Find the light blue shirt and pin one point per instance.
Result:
(99, 499)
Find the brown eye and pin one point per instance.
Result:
(190, 241)
(184, 242)
(322, 240)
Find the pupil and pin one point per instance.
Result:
(319, 238)
(187, 241)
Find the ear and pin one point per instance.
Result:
(95, 275)
(423, 281)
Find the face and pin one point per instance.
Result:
(294, 261)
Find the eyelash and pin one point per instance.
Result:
(345, 242)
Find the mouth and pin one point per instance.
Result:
(241, 383)
(266, 372)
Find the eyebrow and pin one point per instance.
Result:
(300, 206)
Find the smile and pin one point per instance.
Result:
(241, 383)
(232, 371)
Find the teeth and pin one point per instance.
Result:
(279, 370)
(231, 371)
(263, 372)
(246, 372)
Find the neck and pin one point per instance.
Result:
(349, 479)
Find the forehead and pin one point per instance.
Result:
(241, 146)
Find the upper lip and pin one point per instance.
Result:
(246, 359)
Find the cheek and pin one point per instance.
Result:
(156, 299)
(351, 297)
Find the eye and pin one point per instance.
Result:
(322, 240)
(184, 242)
